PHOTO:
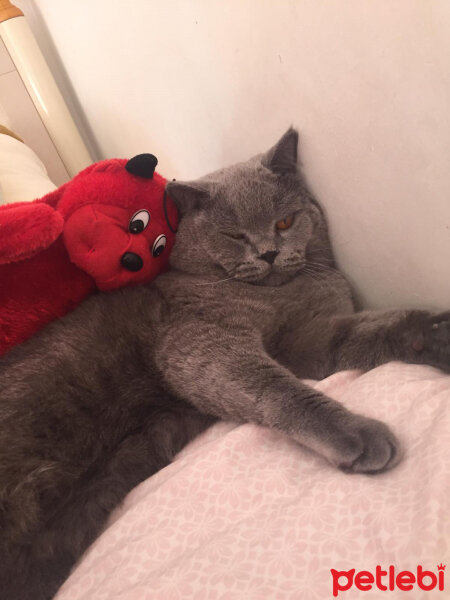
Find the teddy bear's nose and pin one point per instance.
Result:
(132, 261)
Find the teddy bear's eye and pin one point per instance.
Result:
(139, 221)
(159, 245)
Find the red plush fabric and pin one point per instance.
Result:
(34, 292)
(57, 250)
(25, 228)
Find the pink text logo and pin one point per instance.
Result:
(389, 579)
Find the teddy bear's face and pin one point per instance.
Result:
(118, 246)
(120, 234)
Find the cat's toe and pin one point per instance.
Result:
(378, 449)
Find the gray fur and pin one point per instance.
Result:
(104, 398)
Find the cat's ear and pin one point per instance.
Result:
(187, 195)
(282, 158)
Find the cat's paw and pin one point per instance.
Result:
(431, 344)
(366, 446)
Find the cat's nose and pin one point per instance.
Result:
(269, 256)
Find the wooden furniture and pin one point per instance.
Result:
(32, 101)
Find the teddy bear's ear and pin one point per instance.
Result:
(142, 165)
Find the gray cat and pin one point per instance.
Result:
(105, 397)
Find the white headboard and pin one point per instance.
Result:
(31, 103)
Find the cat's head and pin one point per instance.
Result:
(254, 221)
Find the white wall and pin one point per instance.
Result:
(204, 83)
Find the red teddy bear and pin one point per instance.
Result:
(110, 226)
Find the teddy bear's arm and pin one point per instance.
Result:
(27, 228)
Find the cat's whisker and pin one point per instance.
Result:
(315, 277)
(318, 269)
(216, 282)
(312, 275)
(244, 270)
(323, 257)
(350, 264)
(318, 264)
(309, 274)
(321, 268)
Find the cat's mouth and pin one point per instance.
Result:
(275, 274)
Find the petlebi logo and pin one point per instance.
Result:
(389, 579)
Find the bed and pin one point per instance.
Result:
(243, 512)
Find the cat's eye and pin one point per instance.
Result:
(159, 245)
(285, 223)
(139, 221)
(234, 236)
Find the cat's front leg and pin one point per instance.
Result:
(229, 375)
(365, 340)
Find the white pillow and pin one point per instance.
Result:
(23, 177)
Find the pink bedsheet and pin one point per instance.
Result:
(246, 513)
